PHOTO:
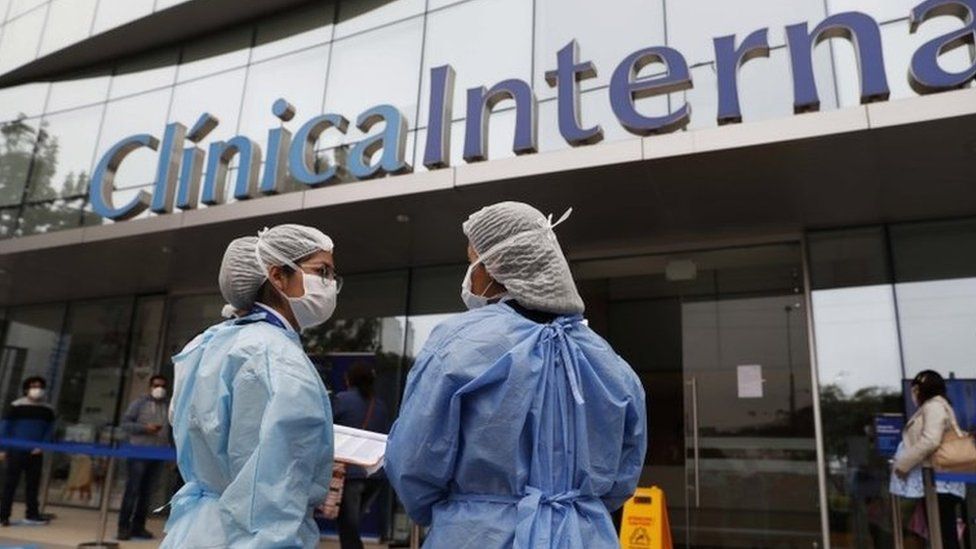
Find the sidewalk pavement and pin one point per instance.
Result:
(73, 526)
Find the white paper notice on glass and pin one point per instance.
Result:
(359, 447)
(750, 381)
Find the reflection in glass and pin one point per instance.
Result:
(938, 320)
(219, 95)
(78, 90)
(116, 14)
(588, 22)
(8, 221)
(47, 217)
(361, 15)
(68, 21)
(466, 37)
(16, 148)
(215, 53)
(881, 10)
(294, 30)
(133, 115)
(594, 109)
(23, 100)
(96, 338)
(20, 39)
(63, 159)
(305, 74)
(860, 370)
(765, 88)
(188, 316)
(899, 45)
(18, 7)
(692, 24)
(374, 68)
(32, 346)
(153, 70)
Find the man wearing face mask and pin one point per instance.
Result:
(520, 427)
(145, 421)
(28, 418)
(251, 417)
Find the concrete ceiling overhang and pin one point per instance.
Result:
(903, 172)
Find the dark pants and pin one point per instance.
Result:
(138, 489)
(950, 507)
(29, 465)
(357, 495)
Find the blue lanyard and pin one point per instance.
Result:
(268, 317)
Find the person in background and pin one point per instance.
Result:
(28, 418)
(251, 419)
(147, 425)
(520, 426)
(359, 408)
(921, 438)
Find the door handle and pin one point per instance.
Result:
(695, 440)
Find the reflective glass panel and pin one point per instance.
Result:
(361, 15)
(89, 391)
(68, 21)
(20, 39)
(15, 158)
(32, 346)
(64, 156)
(79, 90)
(48, 217)
(899, 46)
(294, 30)
(881, 10)
(219, 95)
(116, 14)
(693, 24)
(148, 72)
(605, 35)
(19, 7)
(23, 100)
(374, 68)
(466, 37)
(215, 53)
(8, 221)
(138, 114)
(595, 109)
(765, 88)
(303, 75)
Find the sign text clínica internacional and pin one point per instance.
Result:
(181, 166)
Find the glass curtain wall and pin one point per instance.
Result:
(888, 302)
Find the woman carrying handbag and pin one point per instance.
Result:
(932, 438)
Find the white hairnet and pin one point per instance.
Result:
(286, 244)
(519, 249)
(240, 277)
(247, 259)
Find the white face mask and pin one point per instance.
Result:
(471, 300)
(317, 304)
(36, 393)
(158, 393)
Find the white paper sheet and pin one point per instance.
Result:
(359, 447)
(750, 381)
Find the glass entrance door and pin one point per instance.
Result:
(719, 339)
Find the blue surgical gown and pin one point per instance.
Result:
(517, 434)
(253, 430)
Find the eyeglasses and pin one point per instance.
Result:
(327, 273)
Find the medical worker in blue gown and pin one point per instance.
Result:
(520, 426)
(251, 417)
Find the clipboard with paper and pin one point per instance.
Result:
(359, 447)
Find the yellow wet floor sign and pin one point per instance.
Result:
(645, 521)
